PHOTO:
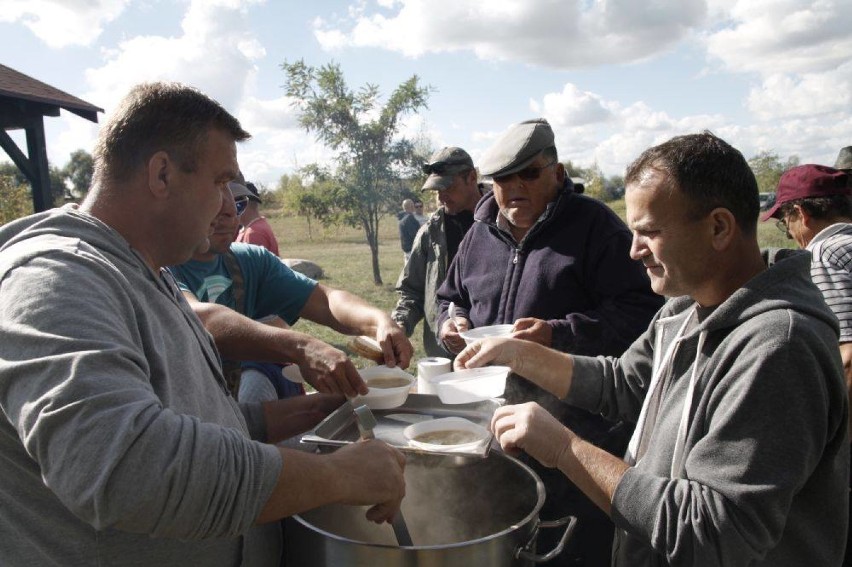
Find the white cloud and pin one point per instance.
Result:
(554, 33)
(810, 94)
(573, 107)
(61, 23)
(783, 36)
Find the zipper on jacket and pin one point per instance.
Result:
(515, 259)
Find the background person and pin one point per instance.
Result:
(741, 452)
(255, 284)
(814, 207)
(557, 266)
(418, 212)
(453, 178)
(408, 227)
(254, 228)
(119, 441)
(844, 159)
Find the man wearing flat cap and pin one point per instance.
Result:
(844, 159)
(454, 180)
(557, 265)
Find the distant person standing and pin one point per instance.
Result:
(254, 227)
(453, 177)
(408, 227)
(418, 212)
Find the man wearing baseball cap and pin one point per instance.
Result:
(813, 206)
(557, 266)
(454, 180)
(254, 228)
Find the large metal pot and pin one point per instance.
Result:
(484, 512)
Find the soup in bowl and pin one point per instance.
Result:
(388, 387)
(447, 434)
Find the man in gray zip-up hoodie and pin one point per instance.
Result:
(740, 455)
(119, 442)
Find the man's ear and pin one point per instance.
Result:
(723, 227)
(560, 173)
(804, 215)
(160, 174)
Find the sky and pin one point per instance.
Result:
(613, 77)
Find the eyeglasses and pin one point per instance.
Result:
(526, 174)
(781, 224)
(442, 167)
(241, 203)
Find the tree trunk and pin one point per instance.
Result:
(372, 232)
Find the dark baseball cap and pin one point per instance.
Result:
(517, 148)
(808, 181)
(444, 165)
(255, 194)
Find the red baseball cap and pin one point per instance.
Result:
(807, 181)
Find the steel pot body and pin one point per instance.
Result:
(484, 512)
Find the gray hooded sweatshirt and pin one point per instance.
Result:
(749, 456)
(119, 444)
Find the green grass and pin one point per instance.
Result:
(343, 254)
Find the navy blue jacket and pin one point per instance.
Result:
(573, 269)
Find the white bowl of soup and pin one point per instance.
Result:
(447, 434)
(388, 387)
(479, 333)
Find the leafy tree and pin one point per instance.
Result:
(312, 201)
(371, 161)
(768, 168)
(56, 175)
(15, 201)
(79, 171)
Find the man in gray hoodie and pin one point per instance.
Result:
(119, 442)
(741, 454)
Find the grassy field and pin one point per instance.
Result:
(345, 257)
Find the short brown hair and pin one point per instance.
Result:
(709, 171)
(154, 117)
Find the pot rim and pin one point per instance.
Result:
(540, 496)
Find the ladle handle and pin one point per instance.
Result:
(400, 530)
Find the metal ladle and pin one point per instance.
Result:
(366, 422)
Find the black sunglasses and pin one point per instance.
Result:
(439, 167)
(526, 174)
(241, 203)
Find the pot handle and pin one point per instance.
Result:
(527, 555)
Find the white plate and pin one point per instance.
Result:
(483, 436)
(478, 333)
(472, 385)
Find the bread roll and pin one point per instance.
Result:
(368, 348)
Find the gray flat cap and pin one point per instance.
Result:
(844, 159)
(516, 148)
(444, 165)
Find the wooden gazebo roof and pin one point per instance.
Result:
(24, 102)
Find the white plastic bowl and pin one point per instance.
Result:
(482, 435)
(472, 384)
(384, 398)
(478, 333)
